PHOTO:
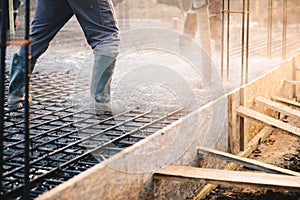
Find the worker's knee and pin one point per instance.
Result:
(109, 48)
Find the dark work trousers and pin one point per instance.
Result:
(98, 21)
(96, 17)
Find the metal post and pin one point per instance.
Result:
(284, 24)
(26, 103)
(11, 17)
(223, 39)
(270, 27)
(4, 27)
(228, 38)
(243, 43)
(247, 40)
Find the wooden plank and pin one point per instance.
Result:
(254, 115)
(233, 178)
(278, 107)
(286, 101)
(253, 164)
(291, 82)
(253, 144)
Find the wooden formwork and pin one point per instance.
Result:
(272, 84)
(128, 175)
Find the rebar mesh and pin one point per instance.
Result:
(67, 139)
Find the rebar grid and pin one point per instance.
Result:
(66, 139)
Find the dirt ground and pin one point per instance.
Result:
(279, 149)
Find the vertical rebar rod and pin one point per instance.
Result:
(270, 28)
(26, 103)
(247, 40)
(4, 27)
(284, 29)
(228, 38)
(126, 14)
(223, 40)
(11, 17)
(243, 43)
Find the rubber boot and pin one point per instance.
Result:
(16, 89)
(101, 83)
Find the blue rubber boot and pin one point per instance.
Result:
(101, 83)
(16, 89)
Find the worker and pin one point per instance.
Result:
(197, 20)
(204, 16)
(99, 24)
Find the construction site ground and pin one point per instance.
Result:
(278, 149)
(70, 53)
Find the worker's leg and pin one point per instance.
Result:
(49, 17)
(214, 8)
(190, 24)
(98, 21)
(190, 29)
(216, 32)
